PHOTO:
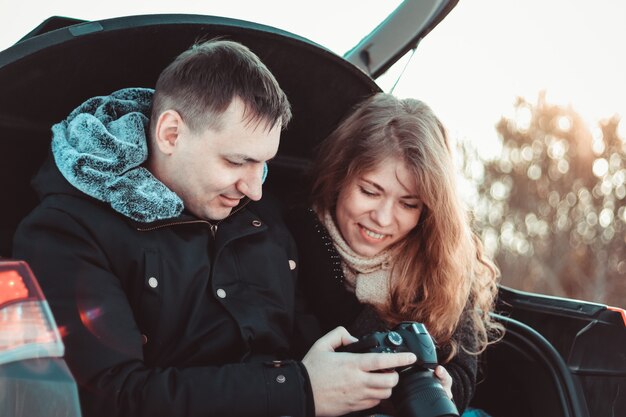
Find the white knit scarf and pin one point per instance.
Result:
(367, 277)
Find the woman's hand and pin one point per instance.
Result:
(446, 380)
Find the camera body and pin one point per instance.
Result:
(419, 393)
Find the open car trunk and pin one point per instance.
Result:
(559, 358)
(44, 77)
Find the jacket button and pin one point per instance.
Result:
(221, 293)
(144, 339)
(153, 282)
(256, 223)
(292, 264)
(281, 379)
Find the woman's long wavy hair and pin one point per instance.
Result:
(441, 274)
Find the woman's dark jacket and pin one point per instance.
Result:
(322, 281)
(161, 319)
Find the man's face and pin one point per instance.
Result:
(212, 170)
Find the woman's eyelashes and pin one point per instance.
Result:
(368, 192)
(408, 205)
(411, 206)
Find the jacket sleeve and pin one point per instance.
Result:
(463, 367)
(104, 345)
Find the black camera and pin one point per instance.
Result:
(418, 393)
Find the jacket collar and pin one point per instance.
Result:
(241, 222)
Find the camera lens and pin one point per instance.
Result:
(420, 394)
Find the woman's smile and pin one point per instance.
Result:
(369, 234)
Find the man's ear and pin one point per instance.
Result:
(168, 128)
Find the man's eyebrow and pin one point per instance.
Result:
(246, 158)
(381, 189)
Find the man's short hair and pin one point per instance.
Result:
(201, 83)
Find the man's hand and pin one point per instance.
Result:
(345, 382)
(446, 380)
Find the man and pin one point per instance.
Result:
(172, 282)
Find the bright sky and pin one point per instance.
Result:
(469, 69)
(486, 53)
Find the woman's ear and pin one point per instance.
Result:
(168, 129)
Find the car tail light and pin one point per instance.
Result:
(27, 328)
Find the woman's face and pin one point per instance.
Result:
(378, 208)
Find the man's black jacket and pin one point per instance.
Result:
(163, 319)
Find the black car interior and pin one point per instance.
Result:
(65, 61)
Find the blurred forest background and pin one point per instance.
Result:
(551, 208)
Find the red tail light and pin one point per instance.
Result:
(27, 328)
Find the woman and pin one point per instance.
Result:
(387, 238)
